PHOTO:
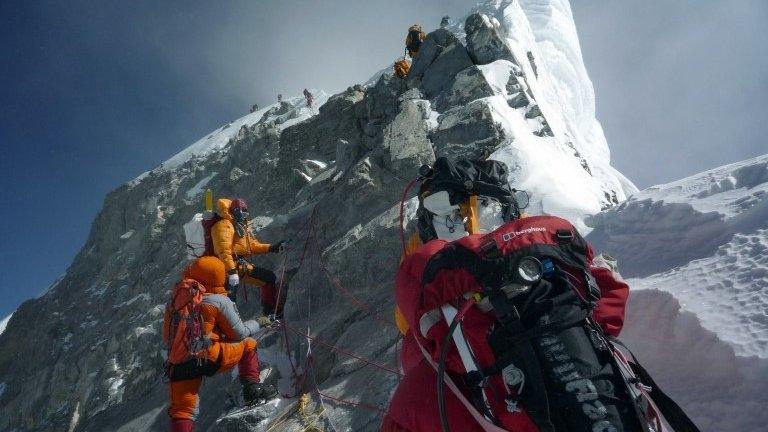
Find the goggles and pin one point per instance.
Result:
(240, 214)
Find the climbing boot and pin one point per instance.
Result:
(254, 393)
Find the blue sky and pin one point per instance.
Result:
(94, 93)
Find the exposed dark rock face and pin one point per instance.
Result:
(484, 42)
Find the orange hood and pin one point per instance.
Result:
(224, 204)
(209, 271)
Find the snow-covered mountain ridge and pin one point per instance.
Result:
(283, 114)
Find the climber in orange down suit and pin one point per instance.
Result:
(231, 345)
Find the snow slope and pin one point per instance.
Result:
(732, 191)
(292, 111)
(727, 291)
(697, 251)
(703, 239)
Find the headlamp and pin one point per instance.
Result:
(528, 270)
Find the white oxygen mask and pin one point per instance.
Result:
(446, 217)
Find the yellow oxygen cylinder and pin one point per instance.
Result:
(208, 200)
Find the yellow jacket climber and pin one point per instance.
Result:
(233, 241)
(232, 238)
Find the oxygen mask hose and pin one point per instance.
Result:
(441, 362)
(402, 213)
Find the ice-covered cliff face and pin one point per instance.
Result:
(697, 251)
(556, 145)
(506, 83)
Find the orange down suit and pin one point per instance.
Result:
(227, 244)
(230, 336)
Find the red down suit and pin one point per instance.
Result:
(414, 406)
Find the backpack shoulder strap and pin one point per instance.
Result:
(673, 414)
(481, 421)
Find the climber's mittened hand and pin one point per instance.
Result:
(233, 280)
(277, 247)
(264, 321)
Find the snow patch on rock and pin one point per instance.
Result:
(143, 296)
(197, 189)
(4, 322)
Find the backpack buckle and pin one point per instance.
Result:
(490, 250)
(564, 236)
(593, 291)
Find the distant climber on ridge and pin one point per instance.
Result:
(310, 99)
(233, 242)
(205, 336)
(414, 39)
(510, 321)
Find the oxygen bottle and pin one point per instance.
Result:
(208, 213)
(208, 201)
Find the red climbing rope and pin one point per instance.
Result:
(361, 304)
(311, 240)
(341, 351)
(310, 367)
(346, 402)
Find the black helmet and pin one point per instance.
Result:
(459, 180)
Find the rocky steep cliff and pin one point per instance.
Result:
(507, 82)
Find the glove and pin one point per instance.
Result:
(233, 280)
(264, 321)
(277, 247)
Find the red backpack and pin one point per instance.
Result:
(207, 226)
(183, 322)
(535, 273)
